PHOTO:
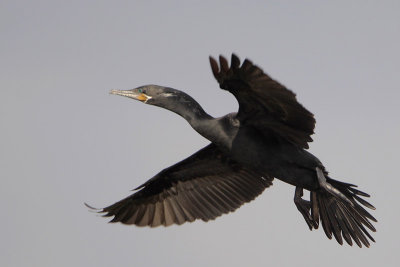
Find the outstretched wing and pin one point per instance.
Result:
(263, 102)
(203, 186)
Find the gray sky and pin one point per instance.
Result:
(64, 140)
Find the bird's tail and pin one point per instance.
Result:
(341, 212)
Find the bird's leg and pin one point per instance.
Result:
(329, 188)
(304, 206)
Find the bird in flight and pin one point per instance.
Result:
(267, 138)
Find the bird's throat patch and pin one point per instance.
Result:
(142, 97)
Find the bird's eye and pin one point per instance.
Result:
(140, 90)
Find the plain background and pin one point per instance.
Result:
(65, 141)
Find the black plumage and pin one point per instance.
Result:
(202, 186)
(265, 139)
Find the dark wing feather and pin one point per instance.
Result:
(345, 219)
(263, 102)
(203, 186)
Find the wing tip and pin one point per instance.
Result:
(91, 208)
(235, 61)
(214, 67)
(223, 62)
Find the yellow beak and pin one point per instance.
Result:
(131, 94)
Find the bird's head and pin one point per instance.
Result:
(149, 94)
(165, 97)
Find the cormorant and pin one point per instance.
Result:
(266, 139)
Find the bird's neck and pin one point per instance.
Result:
(207, 126)
(194, 114)
(216, 130)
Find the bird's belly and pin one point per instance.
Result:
(285, 162)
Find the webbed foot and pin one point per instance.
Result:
(304, 206)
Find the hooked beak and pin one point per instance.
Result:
(131, 94)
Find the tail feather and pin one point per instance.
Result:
(343, 218)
